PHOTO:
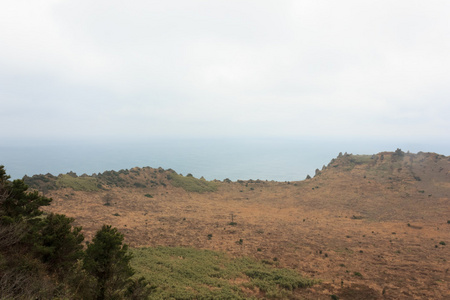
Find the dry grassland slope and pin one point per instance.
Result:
(369, 226)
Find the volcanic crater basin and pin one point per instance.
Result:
(369, 227)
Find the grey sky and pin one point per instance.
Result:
(225, 68)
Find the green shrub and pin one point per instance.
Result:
(357, 274)
(88, 184)
(192, 184)
(139, 185)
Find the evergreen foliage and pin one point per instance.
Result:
(59, 243)
(41, 257)
(108, 261)
(17, 204)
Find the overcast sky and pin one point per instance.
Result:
(103, 68)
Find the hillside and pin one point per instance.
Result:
(369, 226)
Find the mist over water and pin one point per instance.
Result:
(265, 159)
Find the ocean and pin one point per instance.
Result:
(276, 159)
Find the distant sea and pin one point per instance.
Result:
(265, 159)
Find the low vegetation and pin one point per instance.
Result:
(135, 178)
(191, 184)
(186, 273)
(88, 184)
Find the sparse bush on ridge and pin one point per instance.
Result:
(398, 154)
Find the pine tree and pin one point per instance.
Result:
(33, 248)
(59, 243)
(108, 261)
(18, 204)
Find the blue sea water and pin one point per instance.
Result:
(265, 159)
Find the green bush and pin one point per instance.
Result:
(357, 274)
(139, 185)
(192, 184)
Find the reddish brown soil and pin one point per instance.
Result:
(366, 234)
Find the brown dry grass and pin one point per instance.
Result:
(331, 227)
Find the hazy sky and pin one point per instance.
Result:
(103, 68)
